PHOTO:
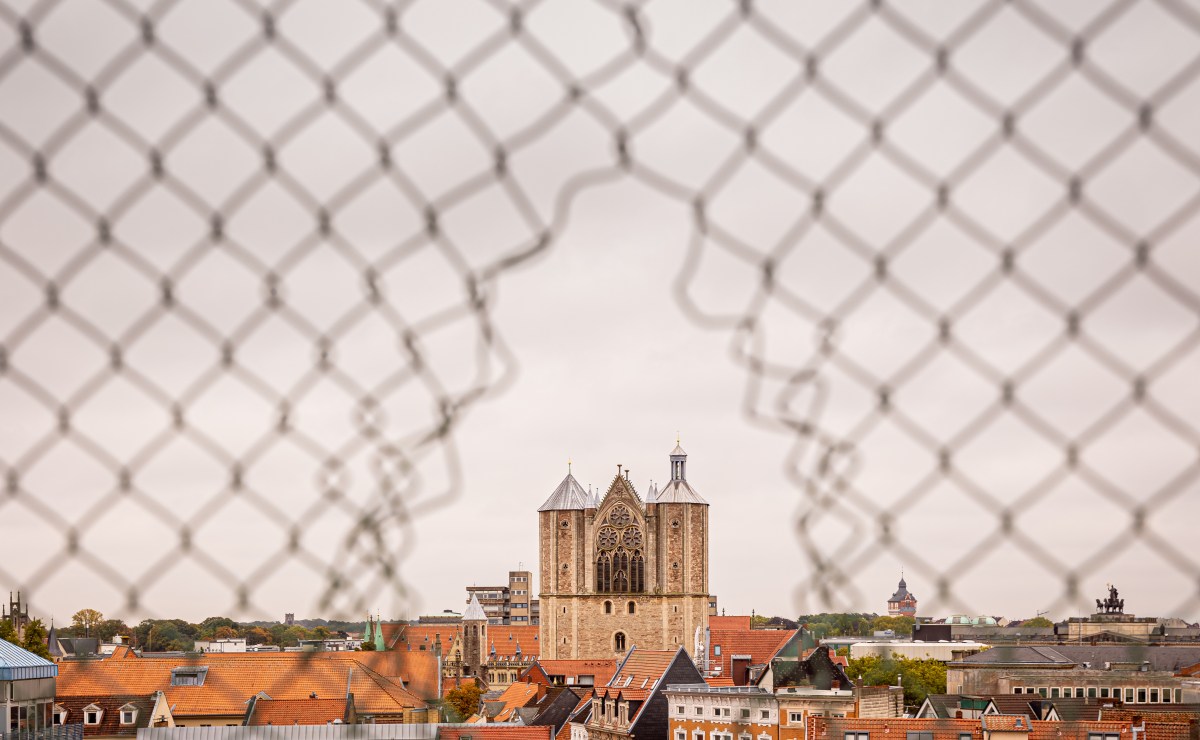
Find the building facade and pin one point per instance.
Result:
(510, 604)
(619, 571)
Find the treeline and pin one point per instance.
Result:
(855, 624)
(157, 635)
(919, 677)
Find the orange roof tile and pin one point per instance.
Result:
(297, 711)
(496, 732)
(760, 645)
(514, 697)
(729, 623)
(718, 680)
(505, 638)
(418, 637)
(601, 670)
(232, 678)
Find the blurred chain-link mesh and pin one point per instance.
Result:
(248, 253)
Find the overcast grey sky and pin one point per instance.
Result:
(821, 262)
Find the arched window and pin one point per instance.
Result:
(603, 573)
(637, 573)
(619, 642)
(632, 608)
(608, 607)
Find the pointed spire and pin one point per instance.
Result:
(568, 496)
(474, 612)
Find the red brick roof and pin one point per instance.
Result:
(417, 670)
(232, 678)
(821, 728)
(496, 732)
(110, 719)
(297, 711)
(418, 637)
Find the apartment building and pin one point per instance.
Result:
(512, 603)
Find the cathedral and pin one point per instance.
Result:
(618, 571)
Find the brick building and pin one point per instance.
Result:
(619, 571)
(703, 712)
(633, 704)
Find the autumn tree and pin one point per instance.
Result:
(464, 699)
(258, 636)
(35, 638)
(85, 621)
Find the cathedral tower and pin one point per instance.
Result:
(474, 639)
(618, 571)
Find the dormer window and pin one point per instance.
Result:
(189, 676)
(60, 714)
(129, 714)
(92, 715)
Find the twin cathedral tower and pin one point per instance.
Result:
(619, 571)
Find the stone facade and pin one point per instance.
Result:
(619, 571)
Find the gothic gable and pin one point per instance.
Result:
(620, 540)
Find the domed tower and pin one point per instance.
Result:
(903, 603)
(474, 638)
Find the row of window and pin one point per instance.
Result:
(92, 715)
(1130, 694)
(928, 735)
(743, 713)
(717, 735)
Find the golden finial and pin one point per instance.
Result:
(568, 466)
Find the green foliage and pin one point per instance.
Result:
(160, 635)
(110, 628)
(902, 626)
(35, 638)
(368, 645)
(85, 621)
(838, 624)
(292, 636)
(258, 636)
(8, 633)
(1037, 622)
(464, 699)
(920, 677)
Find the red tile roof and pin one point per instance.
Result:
(729, 623)
(601, 670)
(418, 637)
(760, 645)
(514, 697)
(821, 728)
(232, 678)
(110, 719)
(495, 732)
(505, 638)
(297, 711)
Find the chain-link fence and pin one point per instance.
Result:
(248, 255)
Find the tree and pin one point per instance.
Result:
(8, 633)
(464, 699)
(368, 645)
(110, 628)
(919, 677)
(35, 638)
(899, 625)
(258, 636)
(84, 621)
(320, 632)
(225, 633)
(1037, 622)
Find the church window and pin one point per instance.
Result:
(632, 608)
(608, 607)
(619, 642)
(564, 610)
(604, 573)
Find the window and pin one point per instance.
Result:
(1103, 692)
(1153, 696)
(1067, 692)
(1042, 692)
(964, 736)
(1129, 695)
(716, 649)
(1078, 692)
(699, 710)
(858, 736)
(1178, 696)
(60, 715)
(608, 607)
(764, 714)
(1103, 736)
(190, 676)
(698, 735)
(1091, 692)
(795, 718)
(129, 714)
(919, 736)
(745, 713)
(1018, 690)
(679, 709)
(1054, 693)
(92, 714)
(680, 735)
(1141, 696)
(632, 608)
(619, 642)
